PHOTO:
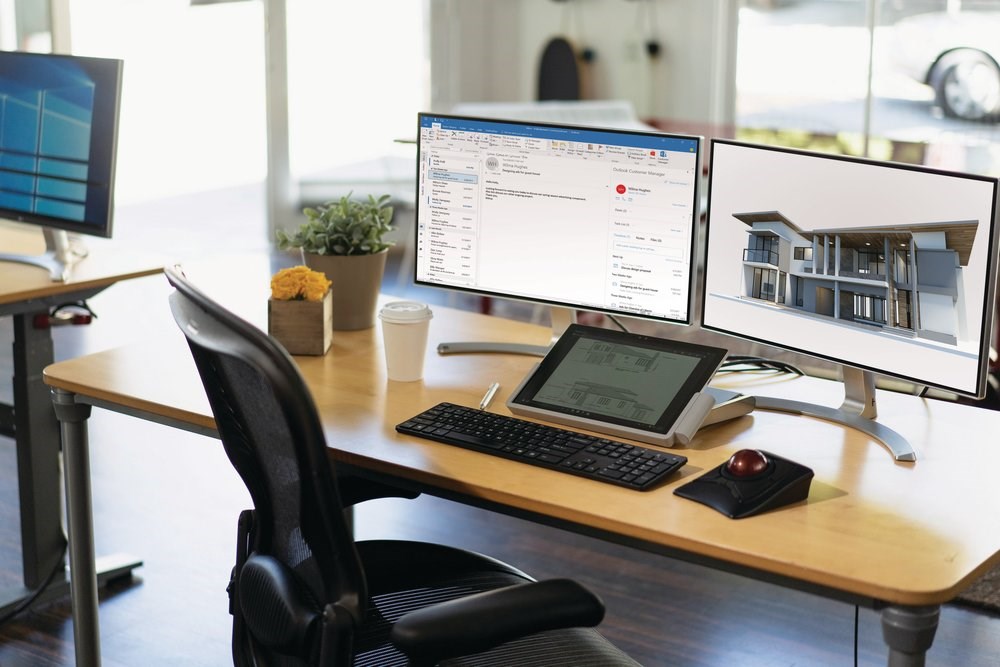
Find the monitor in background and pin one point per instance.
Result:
(58, 137)
(881, 267)
(574, 217)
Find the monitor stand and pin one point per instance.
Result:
(561, 319)
(857, 411)
(59, 257)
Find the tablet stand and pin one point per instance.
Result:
(728, 405)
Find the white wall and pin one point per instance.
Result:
(483, 50)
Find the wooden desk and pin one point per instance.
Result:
(901, 537)
(26, 291)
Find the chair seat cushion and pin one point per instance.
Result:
(405, 576)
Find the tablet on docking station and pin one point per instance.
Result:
(646, 388)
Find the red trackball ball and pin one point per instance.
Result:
(746, 463)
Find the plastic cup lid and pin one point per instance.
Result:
(403, 312)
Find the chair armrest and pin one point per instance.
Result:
(482, 621)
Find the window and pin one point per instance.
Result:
(347, 101)
(869, 308)
(915, 103)
(803, 253)
(764, 281)
(762, 249)
(902, 309)
(871, 261)
(902, 266)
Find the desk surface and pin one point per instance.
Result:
(104, 265)
(902, 533)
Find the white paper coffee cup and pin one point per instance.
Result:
(404, 333)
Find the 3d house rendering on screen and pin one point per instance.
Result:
(902, 279)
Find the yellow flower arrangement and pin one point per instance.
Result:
(299, 283)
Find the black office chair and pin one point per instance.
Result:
(303, 592)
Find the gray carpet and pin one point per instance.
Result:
(984, 594)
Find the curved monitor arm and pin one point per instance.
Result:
(561, 319)
(857, 411)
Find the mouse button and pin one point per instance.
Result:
(748, 491)
(713, 494)
(714, 475)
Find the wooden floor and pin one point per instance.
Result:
(171, 498)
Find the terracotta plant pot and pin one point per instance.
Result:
(356, 281)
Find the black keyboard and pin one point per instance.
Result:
(606, 460)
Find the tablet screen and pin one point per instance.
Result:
(632, 380)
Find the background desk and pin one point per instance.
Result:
(906, 537)
(26, 291)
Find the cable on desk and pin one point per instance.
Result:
(737, 363)
(30, 600)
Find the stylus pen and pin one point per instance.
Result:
(488, 398)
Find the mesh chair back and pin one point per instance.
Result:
(272, 434)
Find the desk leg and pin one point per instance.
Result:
(79, 517)
(909, 632)
(36, 435)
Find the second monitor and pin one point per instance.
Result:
(574, 217)
(880, 267)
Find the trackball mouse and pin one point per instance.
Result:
(750, 482)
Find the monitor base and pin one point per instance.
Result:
(561, 319)
(58, 259)
(897, 445)
(482, 347)
(858, 411)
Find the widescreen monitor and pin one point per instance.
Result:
(578, 218)
(58, 139)
(881, 267)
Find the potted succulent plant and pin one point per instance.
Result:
(345, 240)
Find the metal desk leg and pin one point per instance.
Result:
(909, 632)
(36, 435)
(79, 516)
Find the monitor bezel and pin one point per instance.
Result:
(106, 73)
(693, 250)
(989, 296)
